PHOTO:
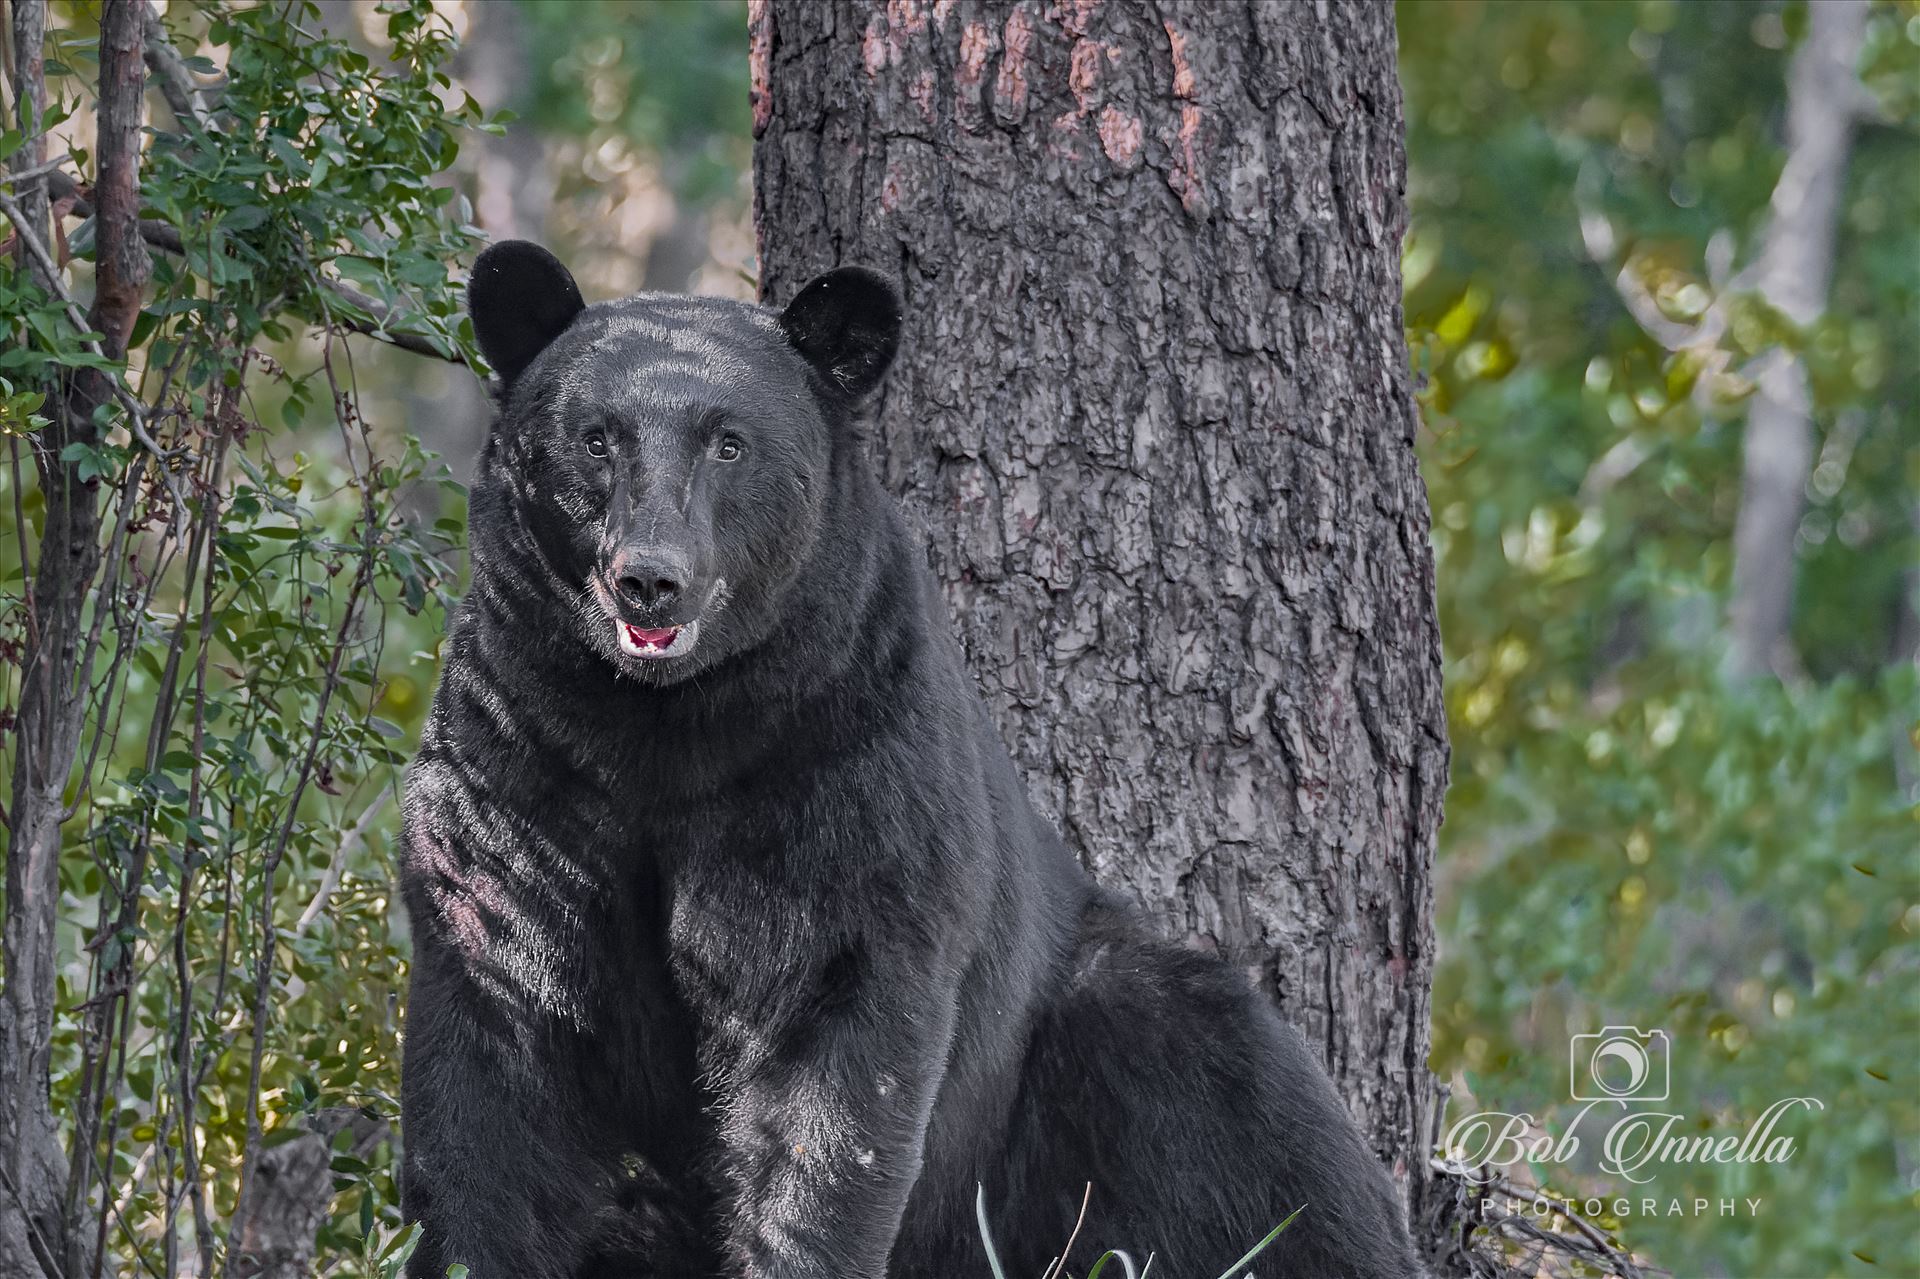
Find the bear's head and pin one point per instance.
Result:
(667, 458)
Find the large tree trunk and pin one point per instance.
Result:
(1153, 411)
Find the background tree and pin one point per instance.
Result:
(1793, 273)
(1153, 412)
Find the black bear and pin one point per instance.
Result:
(738, 948)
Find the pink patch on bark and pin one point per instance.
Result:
(908, 17)
(921, 91)
(1120, 135)
(975, 44)
(1182, 69)
(759, 51)
(873, 46)
(1011, 87)
(905, 20)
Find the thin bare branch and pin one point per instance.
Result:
(1583, 1242)
(17, 177)
(336, 868)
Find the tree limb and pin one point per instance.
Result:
(177, 85)
(337, 867)
(161, 235)
(47, 1203)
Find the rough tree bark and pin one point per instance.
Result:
(1153, 411)
(293, 1186)
(39, 1227)
(33, 1172)
(1795, 271)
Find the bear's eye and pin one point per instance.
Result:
(729, 449)
(596, 445)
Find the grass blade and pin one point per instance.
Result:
(1235, 1269)
(986, 1235)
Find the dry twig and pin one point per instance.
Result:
(1489, 1242)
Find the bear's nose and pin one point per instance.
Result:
(649, 581)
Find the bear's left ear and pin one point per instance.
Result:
(521, 298)
(847, 324)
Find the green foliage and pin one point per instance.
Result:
(1630, 838)
(259, 652)
(20, 410)
(319, 165)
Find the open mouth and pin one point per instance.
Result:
(655, 643)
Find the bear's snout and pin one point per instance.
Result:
(650, 579)
(654, 594)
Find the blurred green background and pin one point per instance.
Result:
(1635, 834)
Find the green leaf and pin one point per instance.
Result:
(244, 218)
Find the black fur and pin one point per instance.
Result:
(847, 324)
(755, 960)
(521, 299)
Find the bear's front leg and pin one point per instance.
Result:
(826, 1074)
(497, 1168)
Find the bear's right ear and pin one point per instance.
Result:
(521, 298)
